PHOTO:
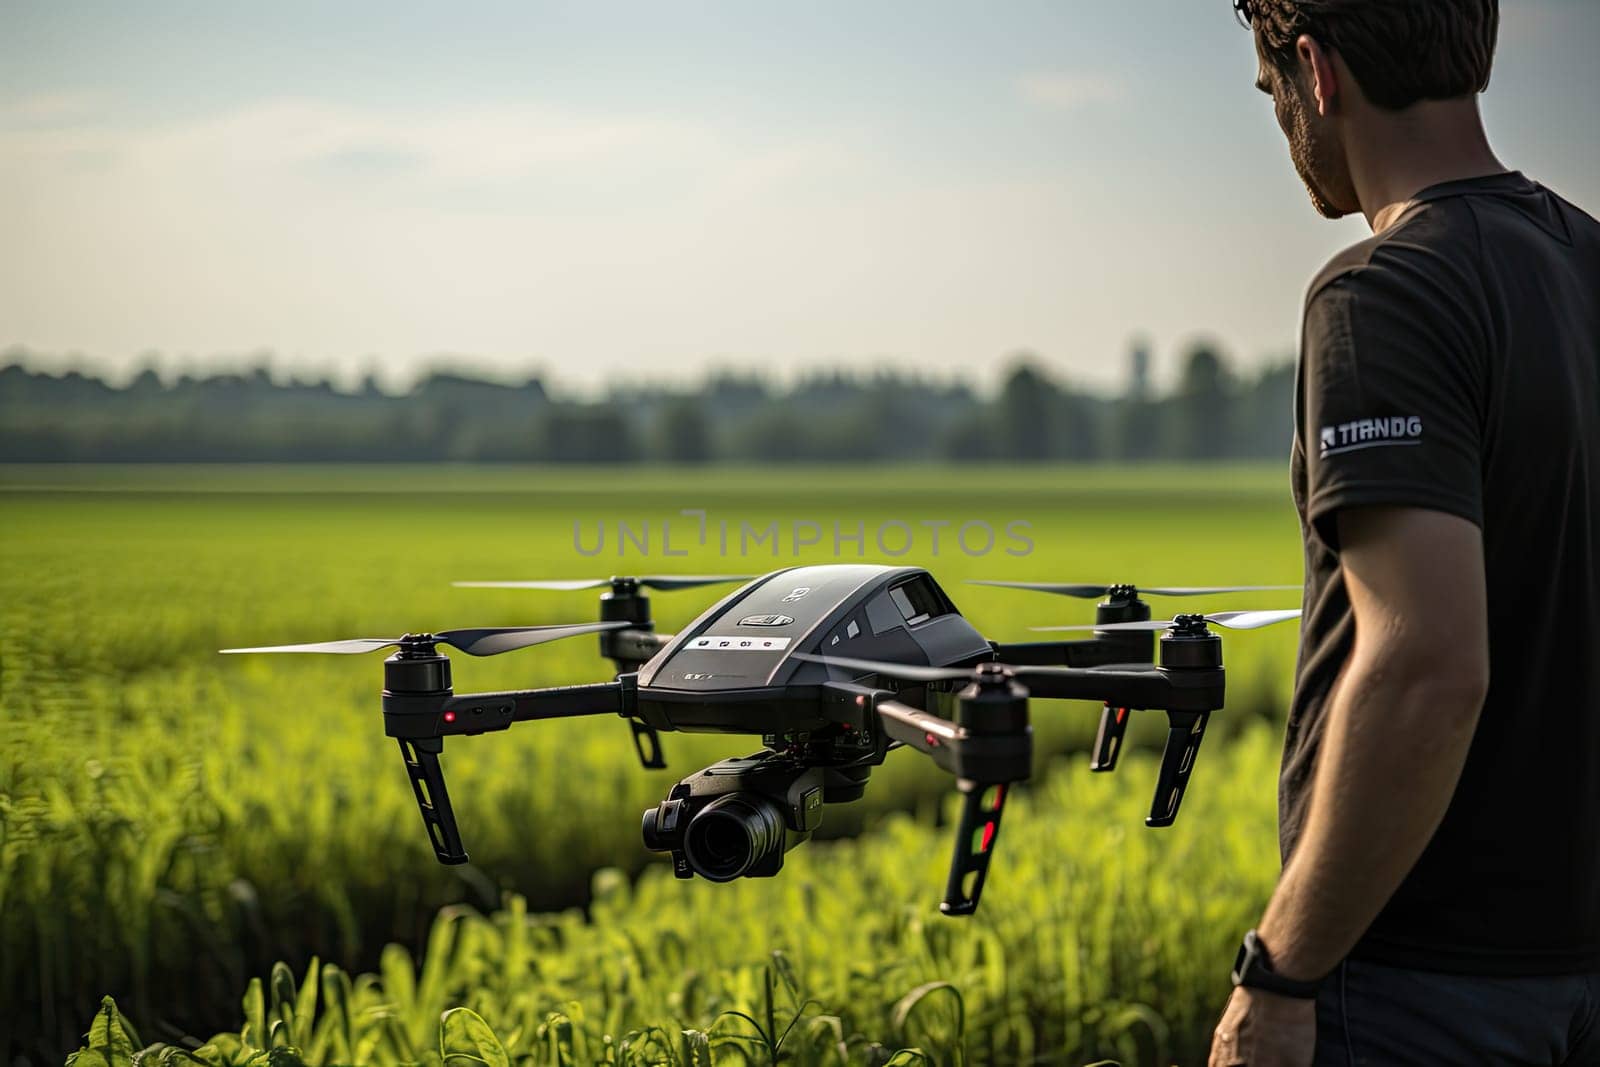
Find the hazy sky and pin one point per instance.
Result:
(623, 191)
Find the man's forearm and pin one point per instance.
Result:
(1397, 738)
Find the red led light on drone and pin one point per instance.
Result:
(449, 716)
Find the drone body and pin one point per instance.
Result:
(833, 666)
(737, 663)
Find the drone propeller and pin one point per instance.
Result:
(649, 581)
(479, 642)
(1091, 592)
(1233, 620)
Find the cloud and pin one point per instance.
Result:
(1064, 91)
(49, 109)
(518, 227)
(289, 136)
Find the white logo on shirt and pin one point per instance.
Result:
(1371, 433)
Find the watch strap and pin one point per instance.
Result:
(1252, 968)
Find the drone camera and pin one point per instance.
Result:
(737, 818)
(734, 835)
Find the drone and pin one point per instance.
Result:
(833, 666)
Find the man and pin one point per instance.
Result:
(1440, 792)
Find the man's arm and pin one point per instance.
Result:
(1399, 725)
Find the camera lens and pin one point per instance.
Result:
(732, 834)
(652, 835)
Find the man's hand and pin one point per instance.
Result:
(1262, 1029)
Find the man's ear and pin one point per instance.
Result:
(1316, 66)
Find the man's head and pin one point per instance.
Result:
(1330, 63)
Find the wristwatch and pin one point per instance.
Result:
(1252, 968)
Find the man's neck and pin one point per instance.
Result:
(1396, 155)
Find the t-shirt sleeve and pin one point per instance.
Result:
(1391, 388)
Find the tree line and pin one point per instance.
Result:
(1212, 413)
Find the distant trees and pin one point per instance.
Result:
(684, 433)
(1202, 419)
(584, 433)
(1026, 413)
(826, 416)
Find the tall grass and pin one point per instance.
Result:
(1096, 938)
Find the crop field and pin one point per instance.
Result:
(173, 821)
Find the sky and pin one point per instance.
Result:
(607, 192)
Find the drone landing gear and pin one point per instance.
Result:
(981, 806)
(427, 781)
(1108, 739)
(647, 743)
(1184, 732)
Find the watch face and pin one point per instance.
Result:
(1243, 958)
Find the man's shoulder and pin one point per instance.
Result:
(1412, 295)
(1431, 238)
(1441, 242)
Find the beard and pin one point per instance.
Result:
(1319, 160)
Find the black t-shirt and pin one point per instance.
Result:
(1451, 363)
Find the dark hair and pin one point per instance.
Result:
(1401, 51)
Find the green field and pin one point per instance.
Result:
(171, 821)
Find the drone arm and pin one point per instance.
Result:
(565, 701)
(927, 733)
(1076, 652)
(482, 712)
(1133, 687)
(443, 714)
(1041, 653)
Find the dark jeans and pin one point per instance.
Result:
(1371, 1014)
